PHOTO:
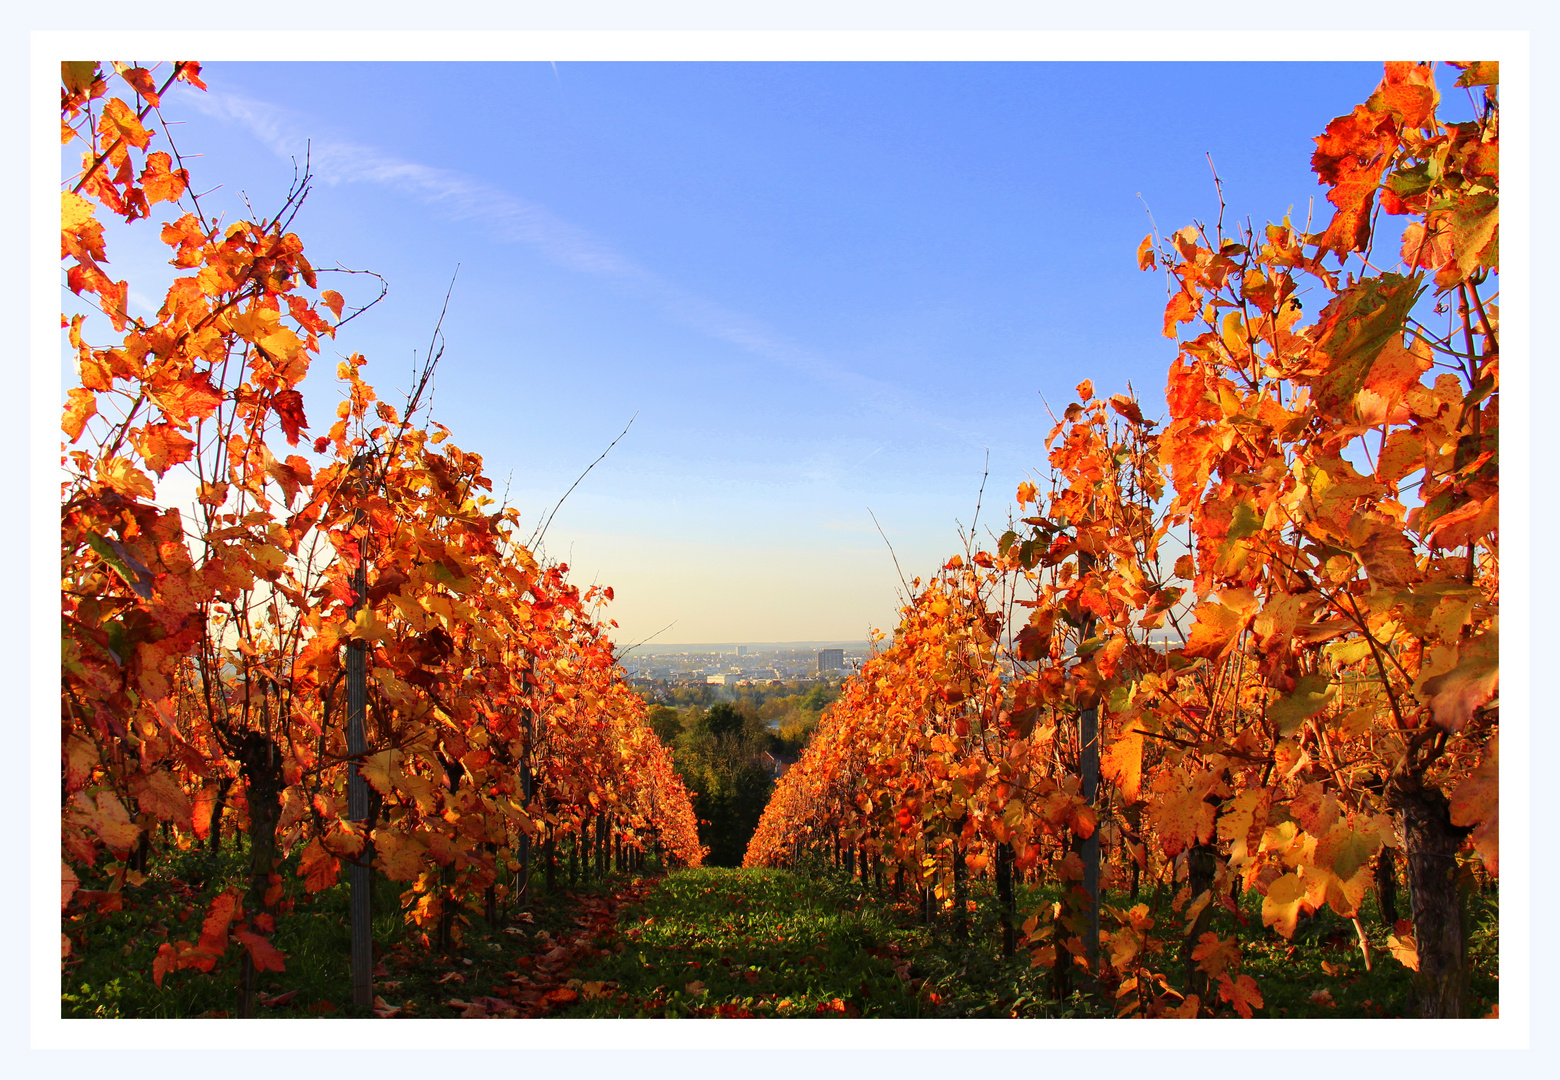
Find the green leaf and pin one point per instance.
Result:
(1345, 849)
(1480, 73)
(77, 75)
(1344, 653)
(1310, 696)
(127, 566)
(1244, 522)
(1355, 327)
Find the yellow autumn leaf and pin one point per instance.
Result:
(1281, 905)
(366, 626)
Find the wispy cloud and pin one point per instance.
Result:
(508, 217)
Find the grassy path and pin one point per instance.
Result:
(736, 943)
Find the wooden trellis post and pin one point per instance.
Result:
(1089, 775)
(527, 780)
(359, 870)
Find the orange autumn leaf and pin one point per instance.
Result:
(81, 406)
(191, 397)
(159, 794)
(1241, 992)
(1214, 630)
(1181, 308)
(1215, 955)
(1122, 764)
(214, 931)
(318, 867)
(119, 124)
(1455, 694)
(1182, 816)
(163, 446)
(141, 80)
(68, 885)
(1476, 802)
(160, 181)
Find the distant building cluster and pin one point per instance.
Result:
(742, 665)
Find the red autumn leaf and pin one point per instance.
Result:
(165, 961)
(1397, 368)
(81, 758)
(1466, 523)
(264, 955)
(1127, 408)
(68, 884)
(1082, 820)
(1350, 158)
(189, 71)
(288, 405)
(188, 236)
(107, 818)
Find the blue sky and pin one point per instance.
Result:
(822, 287)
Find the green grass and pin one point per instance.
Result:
(770, 943)
(705, 942)
(714, 942)
(109, 973)
(1325, 956)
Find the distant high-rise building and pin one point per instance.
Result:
(742, 650)
(830, 660)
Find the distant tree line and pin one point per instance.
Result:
(717, 750)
